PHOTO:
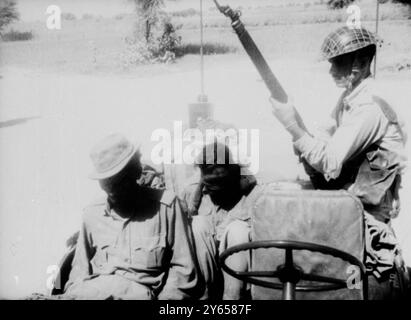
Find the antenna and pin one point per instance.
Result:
(202, 97)
(201, 109)
(377, 18)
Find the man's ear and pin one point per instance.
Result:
(361, 63)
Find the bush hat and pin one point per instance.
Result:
(111, 155)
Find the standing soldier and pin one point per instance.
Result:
(365, 152)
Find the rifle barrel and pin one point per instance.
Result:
(272, 83)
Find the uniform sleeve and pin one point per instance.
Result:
(81, 267)
(362, 127)
(182, 280)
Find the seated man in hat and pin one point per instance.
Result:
(135, 243)
(218, 204)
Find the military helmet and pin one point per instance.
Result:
(345, 40)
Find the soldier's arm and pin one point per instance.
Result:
(81, 267)
(182, 279)
(365, 126)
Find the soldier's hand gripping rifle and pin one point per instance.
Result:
(277, 91)
(273, 85)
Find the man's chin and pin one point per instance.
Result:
(340, 82)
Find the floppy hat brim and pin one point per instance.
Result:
(109, 173)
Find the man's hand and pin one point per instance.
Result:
(151, 178)
(289, 117)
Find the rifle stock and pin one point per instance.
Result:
(272, 83)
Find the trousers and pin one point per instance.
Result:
(109, 287)
(210, 242)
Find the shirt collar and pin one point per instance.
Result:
(242, 208)
(144, 197)
(110, 212)
(239, 207)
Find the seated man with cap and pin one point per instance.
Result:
(219, 204)
(135, 243)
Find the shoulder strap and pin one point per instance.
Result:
(389, 114)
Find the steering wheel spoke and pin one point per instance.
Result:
(318, 278)
(255, 274)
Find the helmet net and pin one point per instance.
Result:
(345, 40)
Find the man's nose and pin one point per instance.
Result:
(332, 69)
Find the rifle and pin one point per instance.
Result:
(273, 85)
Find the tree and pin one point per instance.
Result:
(8, 13)
(339, 4)
(155, 38)
(148, 12)
(404, 1)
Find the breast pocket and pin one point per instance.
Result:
(103, 248)
(149, 252)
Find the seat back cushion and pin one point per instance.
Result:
(330, 218)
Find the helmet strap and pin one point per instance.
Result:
(359, 72)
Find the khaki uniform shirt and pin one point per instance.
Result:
(152, 248)
(359, 123)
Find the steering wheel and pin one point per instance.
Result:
(290, 274)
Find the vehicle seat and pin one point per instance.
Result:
(330, 218)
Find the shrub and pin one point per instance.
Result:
(339, 4)
(208, 49)
(155, 38)
(403, 1)
(163, 49)
(8, 13)
(13, 35)
(68, 16)
(406, 2)
(403, 64)
(169, 40)
(185, 13)
(120, 16)
(136, 52)
(87, 16)
(148, 14)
